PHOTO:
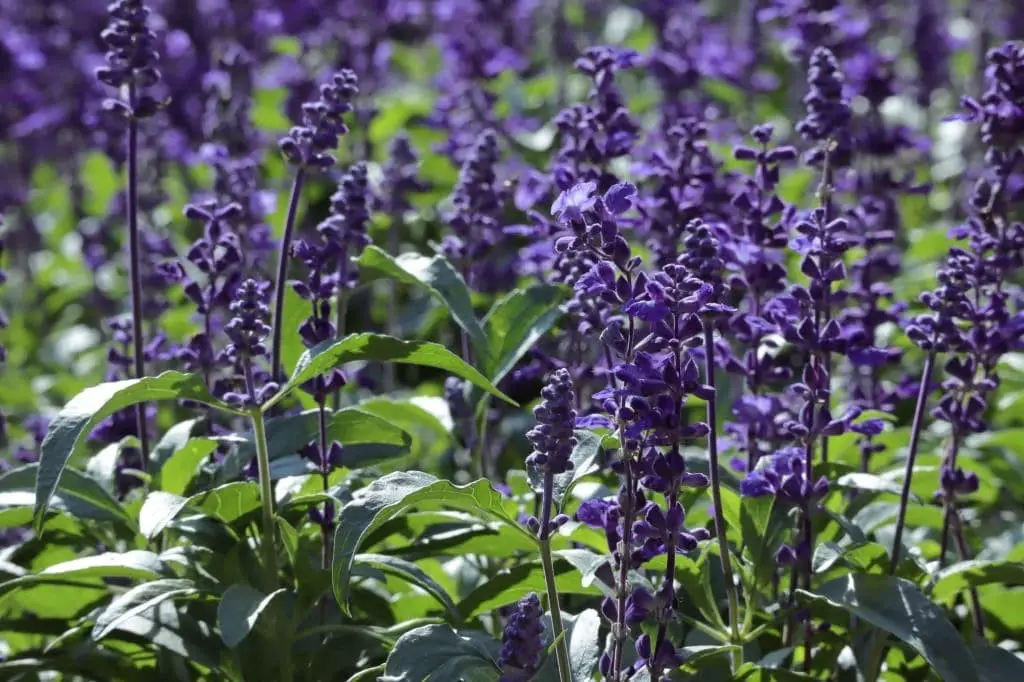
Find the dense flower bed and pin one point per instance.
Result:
(550, 340)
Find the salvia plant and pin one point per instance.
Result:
(512, 340)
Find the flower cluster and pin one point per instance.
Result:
(310, 145)
(521, 643)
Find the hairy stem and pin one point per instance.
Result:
(625, 550)
(561, 648)
(716, 494)
(915, 437)
(325, 537)
(135, 270)
(282, 272)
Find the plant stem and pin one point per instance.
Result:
(561, 648)
(716, 493)
(266, 498)
(135, 269)
(915, 437)
(625, 550)
(282, 272)
(339, 325)
(324, 535)
(965, 554)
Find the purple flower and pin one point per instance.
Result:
(552, 438)
(310, 145)
(521, 643)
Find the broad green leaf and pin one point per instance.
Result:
(395, 494)
(583, 635)
(135, 565)
(174, 439)
(512, 584)
(873, 483)
(435, 275)
(380, 348)
(139, 599)
(240, 610)
(584, 455)
(226, 503)
(170, 628)
(517, 322)
(411, 573)
(296, 311)
(956, 578)
(78, 494)
(181, 467)
(69, 429)
(429, 432)
(436, 653)
(996, 664)
(367, 439)
(898, 607)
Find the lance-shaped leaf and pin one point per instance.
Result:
(381, 348)
(240, 610)
(395, 494)
(436, 653)
(896, 606)
(69, 429)
(436, 276)
(139, 599)
(517, 322)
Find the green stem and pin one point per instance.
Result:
(716, 496)
(266, 498)
(561, 647)
(269, 526)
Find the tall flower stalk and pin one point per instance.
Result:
(553, 443)
(132, 61)
(309, 149)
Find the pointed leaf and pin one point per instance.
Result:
(181, 467)
(240, 610)
(411, 573)
(896, 606)
(367, 439)
(436, 653)
(71, 426)
(81, 496)
(135, 565)
(583, 634)
(965, 574)
(139, 599)
(395, 494)
(584, 455)
(380, 348)
(435, 275)
(517, 322)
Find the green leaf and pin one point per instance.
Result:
(896, 606)
(395, 494)
(436, 653)
(873, 483)
(996, 664)
(68, 430)
(181, 467)
(411, 573)
(240, 610)
(380, 348)
(174, 439)
(588, 446)
(435, 275)
(226, 503)
(139, 599)
(512, 584)
(295, 312)
(79, 495)
(956, 578)
(135, 565)
(367, 439)
(517, 322)
(582, 633)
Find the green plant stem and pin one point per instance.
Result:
(135, 271)
(266, 498)
(282, 272)
(915, 437)
(342, 306)
(716, 495)
(544, 538)
(269, 526)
